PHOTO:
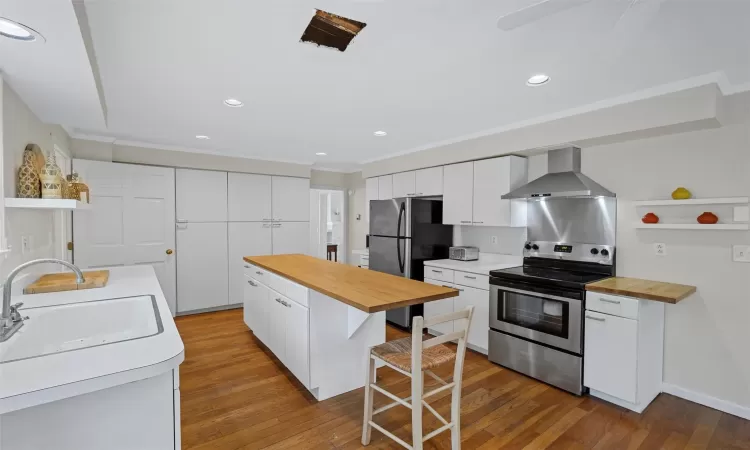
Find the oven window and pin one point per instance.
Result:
(540, 314)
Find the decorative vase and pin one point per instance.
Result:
(29, 185)
(51, 177)
(708, 218)
(681, 194)
(650, 218)
(73, 192)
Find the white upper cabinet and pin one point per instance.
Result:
(429, 182)
(291, 199)
(201, 195)
(493, 178)
(249, 197)
(385, 187)
(458, 193)
(371, 193)
(404, 184)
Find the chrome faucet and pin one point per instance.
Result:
(10, 318)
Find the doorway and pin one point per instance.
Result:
(328, 225)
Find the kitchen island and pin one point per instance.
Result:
(319, 317)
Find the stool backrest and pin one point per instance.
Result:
(461, 319)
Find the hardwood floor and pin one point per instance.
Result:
(236, 395)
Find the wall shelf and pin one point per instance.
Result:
(45, 203)
(693, 201)
(693, 226)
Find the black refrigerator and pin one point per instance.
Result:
(404, 233)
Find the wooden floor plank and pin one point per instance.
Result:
(236, 395)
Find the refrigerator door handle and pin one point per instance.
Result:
(401, 212)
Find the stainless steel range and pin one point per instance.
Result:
(536, 311)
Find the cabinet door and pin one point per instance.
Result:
(385, 187)
(480, 323)
(490, 182)
(438, 308)
(297, 341)
(245, 239)
(202, 266)
(254, 306)
(458, 193)
(291, 199)
(371, 193)
(611, 355)
(249, 197)
(429, 182)
(291, 237)
(201, 195)
(404, 184)
(277, 315)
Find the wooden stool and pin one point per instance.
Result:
(332, 248)
(414, 357)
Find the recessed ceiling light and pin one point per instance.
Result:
(380, 133)
(321, 154)
(537, 80)
(233, 103)
(202, 136)
(18, 31)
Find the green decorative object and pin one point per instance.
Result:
(681, 194)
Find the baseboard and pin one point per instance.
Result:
(707, 400)
(622, 403)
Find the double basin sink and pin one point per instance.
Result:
(77, 326)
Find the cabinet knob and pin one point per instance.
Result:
(169, 251)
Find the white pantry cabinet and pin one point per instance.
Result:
(202, 266)
(385, 187)
(291, 237)
(371, 193)
(624, 348)
(429, 182)
(458, 194)
(245, 239)
(201, 195)
(404, 184)
(249, 197)
(473, 291)
(493, 178)
(291, 199)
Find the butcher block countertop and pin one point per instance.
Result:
(363, 289)
(643, 289)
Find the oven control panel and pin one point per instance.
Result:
(602, 254)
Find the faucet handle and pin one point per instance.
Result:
(17, 305)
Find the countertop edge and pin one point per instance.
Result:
(415, 301)
(643, 295)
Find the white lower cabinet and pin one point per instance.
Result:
(296, 346)
(468, 296)
(202, 266)
(623, 349)
(255, 308)
(291, 237)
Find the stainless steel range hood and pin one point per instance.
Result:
(563, 180)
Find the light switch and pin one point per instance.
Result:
(741, 253)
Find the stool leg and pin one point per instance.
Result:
(369, 393)
(417, 380)
(456, 416)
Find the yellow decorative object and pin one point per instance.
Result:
(51, 176)
(681, 194)
(28, 177)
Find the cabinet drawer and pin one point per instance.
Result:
(256, 273)
(472, 280)
(612, 304)
(437, 273)
(288, 288)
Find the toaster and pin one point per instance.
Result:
(464, 253)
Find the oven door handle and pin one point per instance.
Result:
(537, 294)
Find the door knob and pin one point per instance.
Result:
(169, 251)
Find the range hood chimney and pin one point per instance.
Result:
(563, 180)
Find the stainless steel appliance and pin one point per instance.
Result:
(536, 311)
(464, 253)
(404, 233)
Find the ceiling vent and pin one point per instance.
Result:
(330, 30)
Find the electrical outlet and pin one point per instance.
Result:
(25, 244)
(741, 253)
(660, 249)
(493, 239)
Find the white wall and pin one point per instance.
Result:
(707, 335)
(20, 128)
(358, 228)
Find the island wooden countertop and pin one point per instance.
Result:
(644, 289)
(363, 289)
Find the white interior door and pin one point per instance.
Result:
(291, 199)
(63, 219)
(245, 239)
(131, 220)
(201, 195)
(202, 266)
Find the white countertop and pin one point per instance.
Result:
(35, 381)
(486, 263)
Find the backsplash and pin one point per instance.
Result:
(509, 240)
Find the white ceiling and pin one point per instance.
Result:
(426, 71)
